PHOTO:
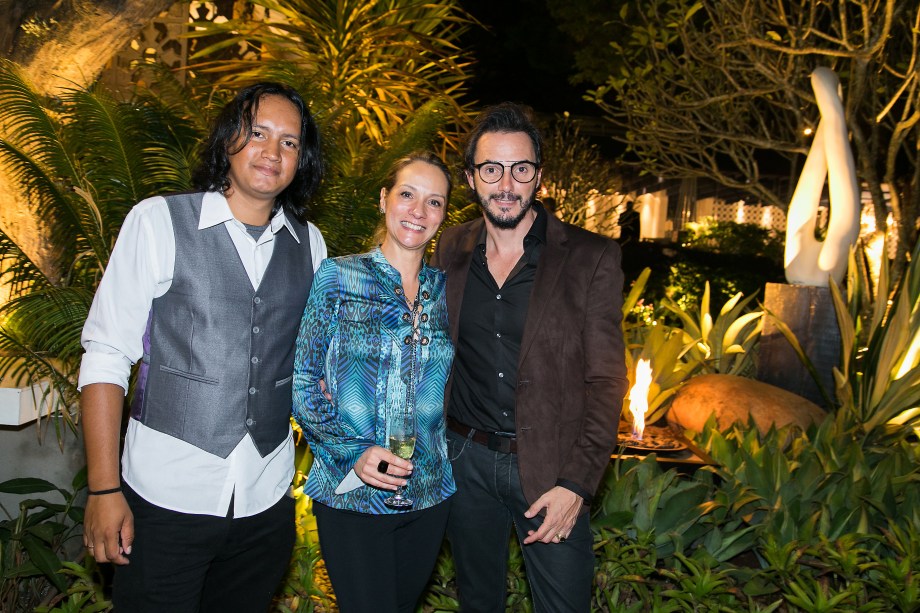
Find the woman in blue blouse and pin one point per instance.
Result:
(375, 332)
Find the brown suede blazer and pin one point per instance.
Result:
(572, 366)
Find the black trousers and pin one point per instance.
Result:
(183, 563)
(380, 563)
(488, 502)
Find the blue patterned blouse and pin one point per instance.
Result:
(355, 334)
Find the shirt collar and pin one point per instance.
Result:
(538, 229)
(381, 261)
(216, 210)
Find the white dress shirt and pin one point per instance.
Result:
(164, 470)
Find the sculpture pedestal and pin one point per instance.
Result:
(809, 313)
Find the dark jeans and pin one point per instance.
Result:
(488, 501)
(380, 563)
(183, 563)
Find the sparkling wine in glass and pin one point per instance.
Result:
(402, 443)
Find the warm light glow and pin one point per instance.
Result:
(638, 397)
(808, 131)
(910, 357)
(740, 215)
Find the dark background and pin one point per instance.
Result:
(521, 56)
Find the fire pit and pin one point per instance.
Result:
(670, 447)
(654, 438)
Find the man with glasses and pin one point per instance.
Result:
(539, 376)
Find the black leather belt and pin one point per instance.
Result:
(496, 441)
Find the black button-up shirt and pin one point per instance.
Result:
(491, 329)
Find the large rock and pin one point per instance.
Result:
(733, 399)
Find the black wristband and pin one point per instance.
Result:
(103, 492)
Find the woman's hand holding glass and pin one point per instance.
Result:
(397, 469)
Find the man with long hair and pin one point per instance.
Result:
(206, 290)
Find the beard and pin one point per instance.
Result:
(505, 221)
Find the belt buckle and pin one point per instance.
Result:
(501, 444)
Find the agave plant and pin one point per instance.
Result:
(722, 345)
(697, 345)
(80, 162)
(367, 65)
(878, 382)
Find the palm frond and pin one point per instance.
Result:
(20, 273)
(373, 62)
(46, 322)
(51, 200)
(29, 125)
(97, 131)
(40, 342)
(346, 209)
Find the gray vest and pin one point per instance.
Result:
(221, 355)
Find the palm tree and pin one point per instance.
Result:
(366, 65)
(80, 161)
(384, 78)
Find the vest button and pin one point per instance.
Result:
(407, 340)
(255, 329)
(424, 317)
(406, 317)
(426, 295)
(250, 421)
(425, 340)
(257, 300)
(254, 360)
(252, 391)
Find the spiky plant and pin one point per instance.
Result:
(367, 65)
(346, 207)
(878, 382)
(79, 162)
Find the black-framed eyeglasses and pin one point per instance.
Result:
(492, 172)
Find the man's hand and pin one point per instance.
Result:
(367, 468)
(562, 506)
(108, 528)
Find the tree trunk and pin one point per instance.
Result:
(59, 43)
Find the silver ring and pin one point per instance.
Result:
(561, 538)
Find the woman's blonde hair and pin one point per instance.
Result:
(389, 181)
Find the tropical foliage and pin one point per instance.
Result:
(733, 238)
(578, 179)
(688, 342)
(81, 162)
(34, 544)
(366, 65)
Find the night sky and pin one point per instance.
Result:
(522, 57)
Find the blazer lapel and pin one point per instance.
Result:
(457, 269)
(549, 272)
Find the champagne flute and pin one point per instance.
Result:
(401, 438)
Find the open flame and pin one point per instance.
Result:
(638, 397)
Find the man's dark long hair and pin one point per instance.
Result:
(235, 121)
(506, 117)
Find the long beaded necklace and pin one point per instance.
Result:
(415, 317)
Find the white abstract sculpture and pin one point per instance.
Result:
(809, 261)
